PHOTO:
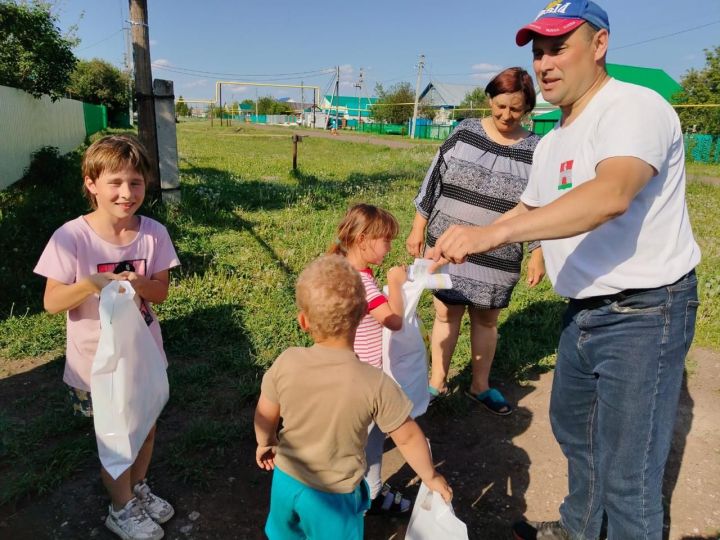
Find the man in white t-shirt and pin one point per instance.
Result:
(606, 196)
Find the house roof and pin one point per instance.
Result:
(653, 78)
(445, 94)
(349, 101)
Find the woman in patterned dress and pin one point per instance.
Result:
(477, 175)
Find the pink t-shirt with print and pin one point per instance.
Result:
(368, 339)
(74, 252)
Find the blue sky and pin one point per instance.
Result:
(464, 42)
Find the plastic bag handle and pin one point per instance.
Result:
(108, 297)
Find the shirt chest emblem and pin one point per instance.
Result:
(565, 176)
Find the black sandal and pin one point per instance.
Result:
(390, 502)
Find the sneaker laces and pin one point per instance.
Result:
(134, 512)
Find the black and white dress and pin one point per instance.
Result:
(472, 181)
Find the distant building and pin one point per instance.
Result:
(445, 98)
(347, 106)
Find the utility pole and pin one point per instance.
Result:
(144, 91)
(129, 69)
(420, 66)
(359, 86)
(337, 93)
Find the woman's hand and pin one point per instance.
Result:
(416, 239)
(536, 268)
(415, 242)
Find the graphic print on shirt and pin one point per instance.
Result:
(139, 266)
(565, 178)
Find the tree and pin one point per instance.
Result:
(475, 100)
(701, 87)
(269, 105)
(181, 108)
(34, 55)
(97, 81)
(395, 105)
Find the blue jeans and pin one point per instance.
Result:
(614, 398)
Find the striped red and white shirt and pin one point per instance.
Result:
(368, 339)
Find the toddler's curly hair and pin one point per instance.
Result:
(330, 292)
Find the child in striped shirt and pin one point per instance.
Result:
(364, 236)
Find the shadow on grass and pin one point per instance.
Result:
(526, 338)
(218, 199)
(30, 211)
(213, 380)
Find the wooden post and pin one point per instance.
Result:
(144, 91)
(295, 139)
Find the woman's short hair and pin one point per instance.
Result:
(511, 80)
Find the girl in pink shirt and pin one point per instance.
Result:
(365, 236)
(85, 254)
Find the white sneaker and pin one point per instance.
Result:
(157, 508)
(133, 522)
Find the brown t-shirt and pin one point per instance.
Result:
(327, 399)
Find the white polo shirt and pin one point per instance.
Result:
(652, 243)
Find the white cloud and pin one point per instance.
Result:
(153, 42)
(485, 67)
(483, 77)
(162, 62)
(484, 71)
(196, 83)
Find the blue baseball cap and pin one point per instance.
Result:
(558, 18)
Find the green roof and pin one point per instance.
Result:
(350, 101)
(655, 79)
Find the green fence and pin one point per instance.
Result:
(428, 131)
(701, 148)
(95, 118)
(434, 132)
(389, 129)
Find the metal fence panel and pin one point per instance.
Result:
(27, 124)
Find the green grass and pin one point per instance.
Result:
(245, 228)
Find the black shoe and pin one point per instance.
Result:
(539, 530)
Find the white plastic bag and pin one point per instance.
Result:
(404, 352)
(434, 519)
(129, 383)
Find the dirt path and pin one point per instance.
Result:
(500, 469)
(709, 180)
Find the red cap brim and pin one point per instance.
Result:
(547, 26)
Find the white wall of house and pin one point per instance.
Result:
(27, 124)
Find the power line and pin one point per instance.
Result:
(191, 71)
(101, 41)
(664, 36)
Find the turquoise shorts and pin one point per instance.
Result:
(299, 511)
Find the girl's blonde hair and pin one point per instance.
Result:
(363, 219)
